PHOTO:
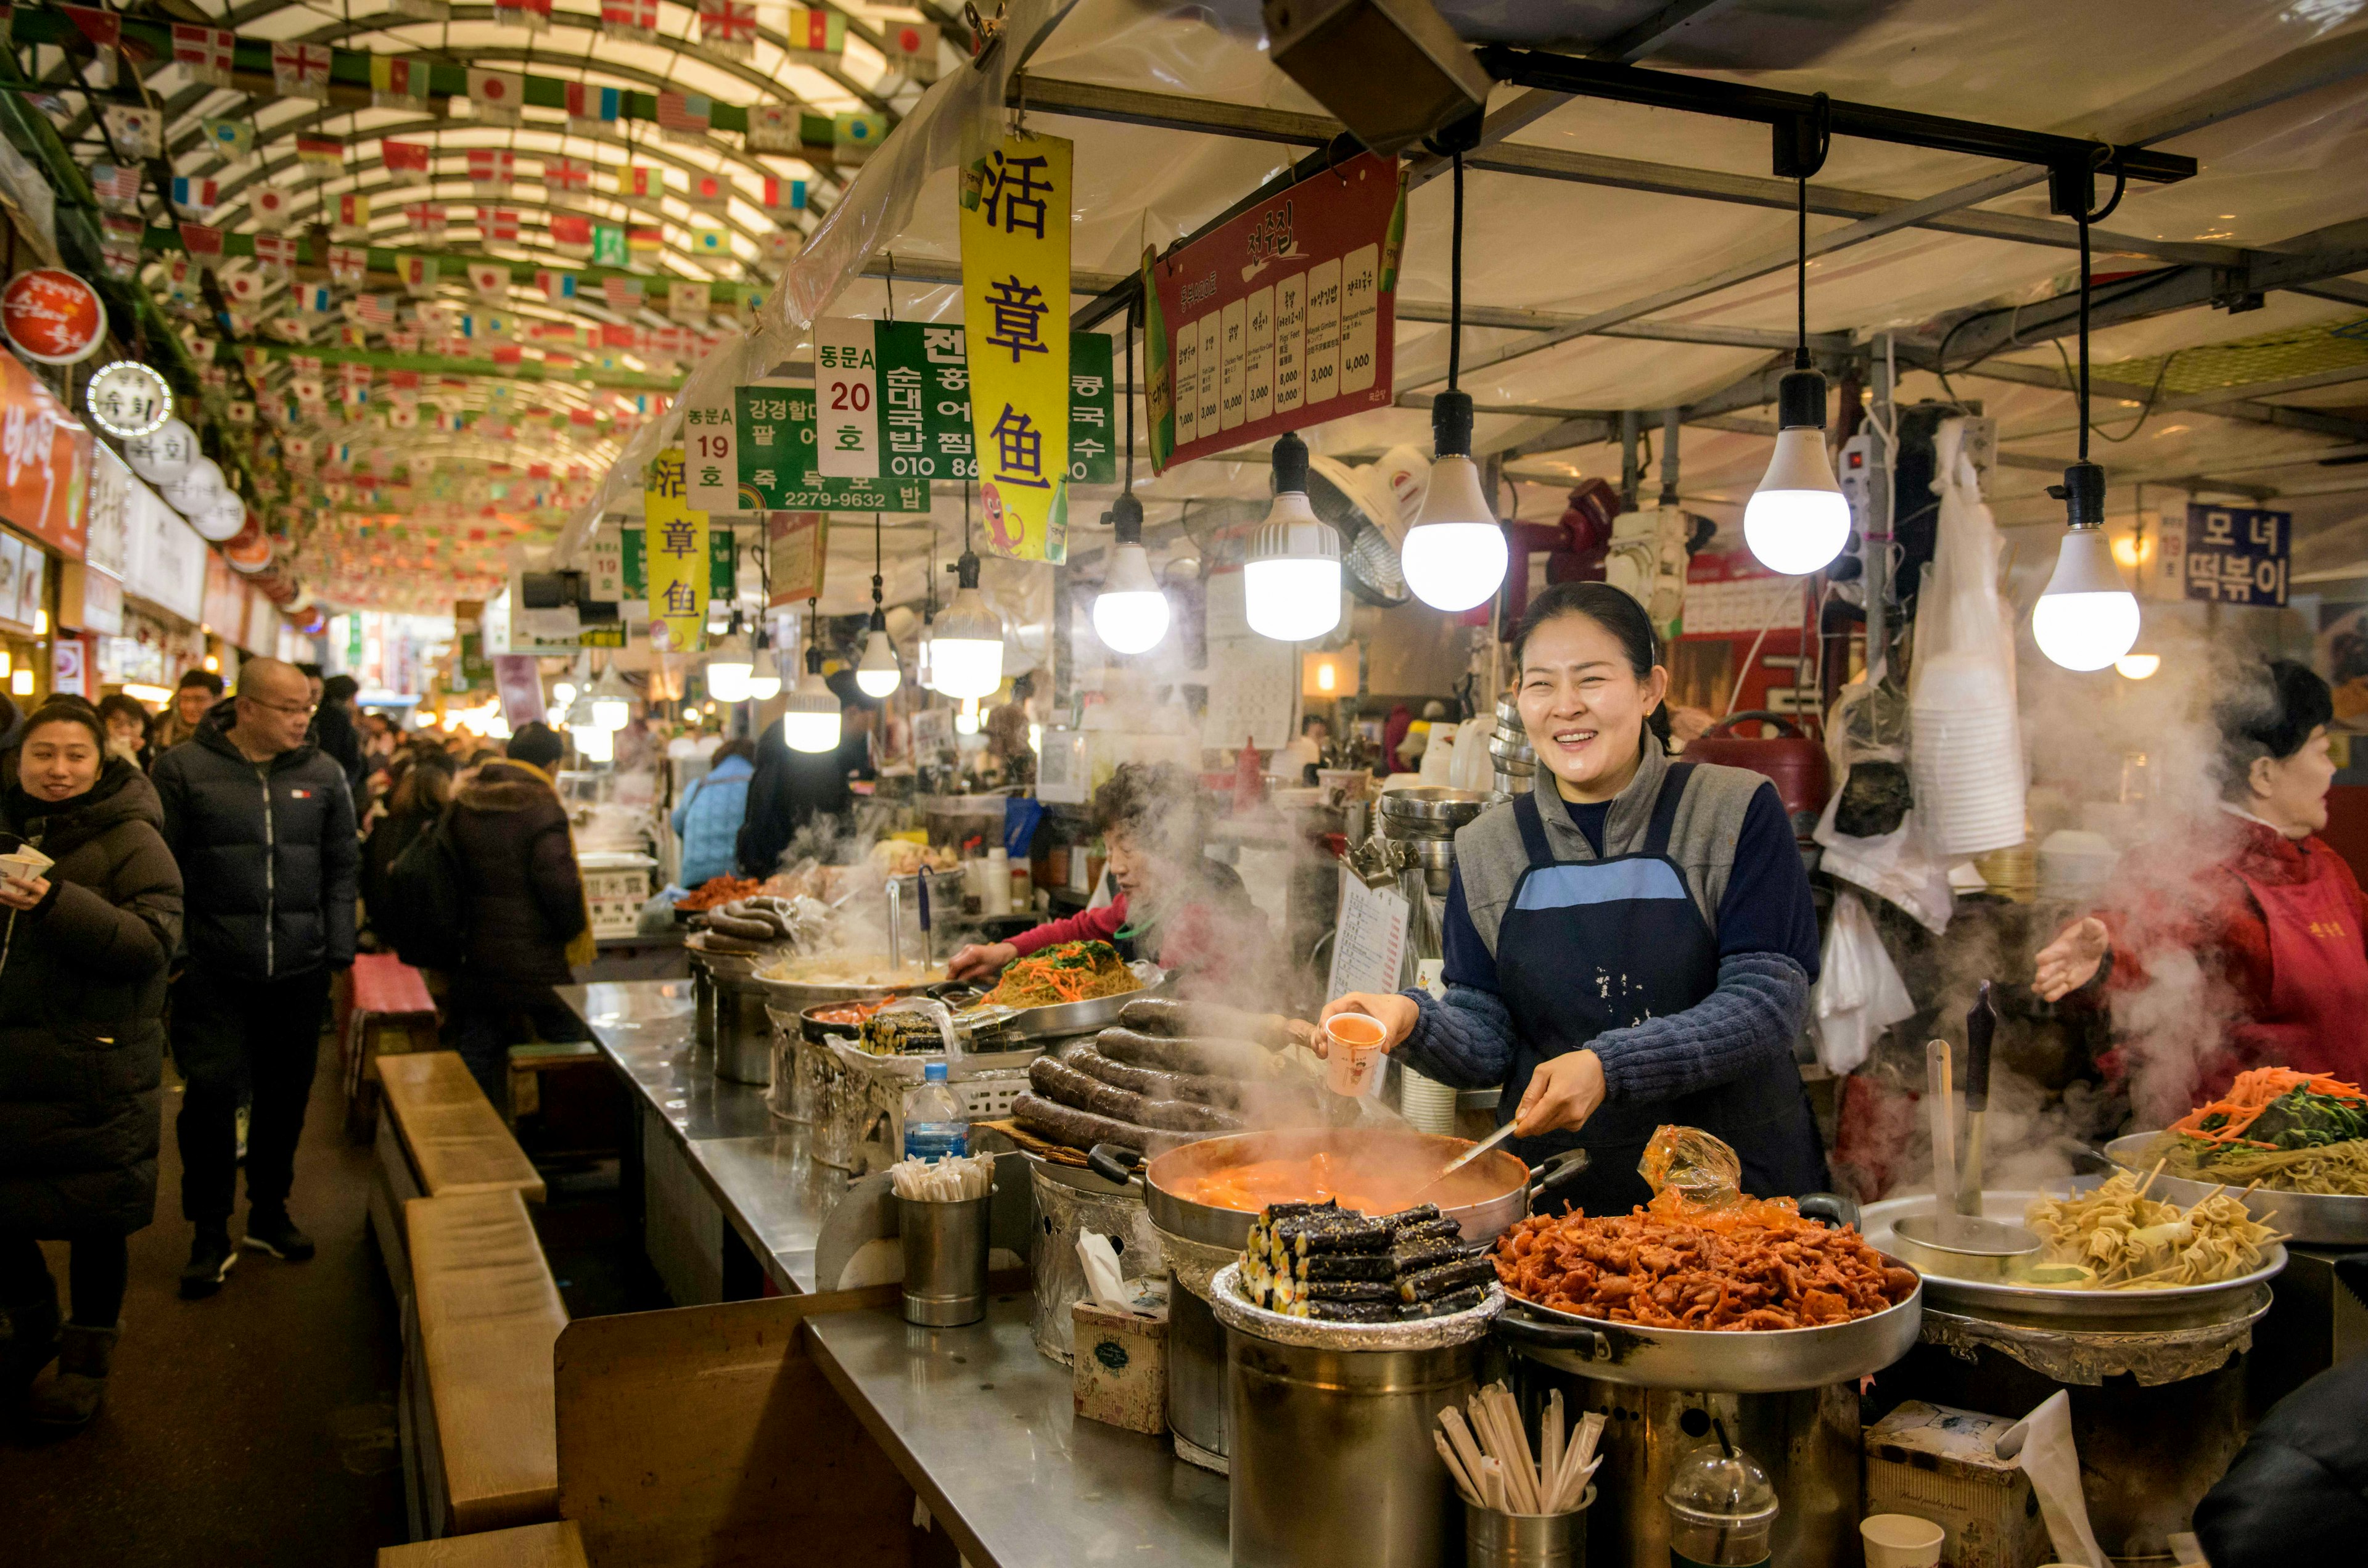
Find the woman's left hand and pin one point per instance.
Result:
(1562, 1093)
(23, 895)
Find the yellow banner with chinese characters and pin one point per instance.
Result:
(675, 556)
(1015, 250)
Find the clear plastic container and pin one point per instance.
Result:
(1722, 1509)
(934, 1124)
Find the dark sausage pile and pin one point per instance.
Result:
(1169, 1073)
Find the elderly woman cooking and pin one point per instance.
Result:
(1630, 944)
(2276, 921)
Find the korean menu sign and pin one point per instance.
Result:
(895, 399)
(2238, 555)
(1283, 318)
(757, 453)
(1015, 253)
(676, 545)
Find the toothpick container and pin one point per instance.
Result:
(1492, 1539)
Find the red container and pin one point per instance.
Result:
(1796, 763)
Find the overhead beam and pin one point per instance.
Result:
(1520, 320)
(2220, 398)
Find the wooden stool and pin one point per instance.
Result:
(439, 1137)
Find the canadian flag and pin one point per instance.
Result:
(210, 53)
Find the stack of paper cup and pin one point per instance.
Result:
(1966, 756)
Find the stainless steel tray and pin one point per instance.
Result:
(1064, 1019)
(2329, 1218)
(1769, 1360)
(2188, 1305)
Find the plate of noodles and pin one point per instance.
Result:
(1071, 988)
(2293, 1147)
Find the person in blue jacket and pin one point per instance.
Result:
(1632, 942)
(707, 819)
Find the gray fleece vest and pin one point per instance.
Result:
(1491, 859)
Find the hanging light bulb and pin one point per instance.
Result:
(966, 717)
(2138, 666)
(1798, 519)
(877, 673)
(730, 665)
(765, 676)
(810, 713)
(968, 647)
(594, 743)
(613, 699)
(1291, 585)
(2086, 618)
(1131, 614)
(1455, 556)
(924, 669)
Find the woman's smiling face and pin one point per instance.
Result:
(1584, 707)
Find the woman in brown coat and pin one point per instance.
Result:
(83, 944)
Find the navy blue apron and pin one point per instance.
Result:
(1588, 946)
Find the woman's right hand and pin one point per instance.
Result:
(1396, 1014)
(2071, 960)
(980, 961)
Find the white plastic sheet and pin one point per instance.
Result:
(1859, 992)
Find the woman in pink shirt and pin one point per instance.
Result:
(1170, 903)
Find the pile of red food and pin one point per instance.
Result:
(1756, 1266)
(715, 890)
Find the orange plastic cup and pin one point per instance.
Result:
(1352, 1056)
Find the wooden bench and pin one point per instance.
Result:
(479, 1429)
(526, 1546)
(439, 1137)
(384, 1009)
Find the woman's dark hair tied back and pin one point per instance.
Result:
(1617, 613)
(2271, 710)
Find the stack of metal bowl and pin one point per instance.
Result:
(1424, 818)
(1508, 750)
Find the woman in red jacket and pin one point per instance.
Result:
(2278, 921)
(1171, 904)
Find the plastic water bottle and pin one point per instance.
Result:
(934, 1124)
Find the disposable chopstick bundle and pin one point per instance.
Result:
(1486, 1448)
(951, 1180)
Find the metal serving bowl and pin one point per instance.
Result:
(2332, 1219)
(1432, 803)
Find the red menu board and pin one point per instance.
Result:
(1283, 317)
(44, 461)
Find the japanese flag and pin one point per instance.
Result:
(495, 96)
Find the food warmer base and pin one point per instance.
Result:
(1807, 1441)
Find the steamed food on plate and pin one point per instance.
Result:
(2116, 1238)
(1066, 971)
(2284, 1130)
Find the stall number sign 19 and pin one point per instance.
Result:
(895, 402)
(2237, 555)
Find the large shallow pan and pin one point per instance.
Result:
(1485, 1197)
(2180, 1306)
(1700, 1360)
(2329, 1218)
(1062, 1019)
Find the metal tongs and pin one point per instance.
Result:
(1466, 1158)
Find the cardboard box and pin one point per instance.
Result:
(1121, 1364)
(1941, 1464)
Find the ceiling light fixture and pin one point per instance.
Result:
(878, 674)
(1291, 585)
(730, 665)
(1455, 556)
(967, 650)
(1131, 614)
(613, 699)
(810, 714)
(1798, 519)
(2086, 618)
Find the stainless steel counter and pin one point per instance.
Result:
(984, 1428)
(755, 1170)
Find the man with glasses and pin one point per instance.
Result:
(263, 826)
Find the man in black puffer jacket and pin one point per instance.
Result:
(526, 910)
(263, 826)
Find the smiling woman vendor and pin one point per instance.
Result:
(1630, 944)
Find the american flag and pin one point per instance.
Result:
(685, 114)
(118, 184)
(729, 27)
(491, 166)
(374, 311)
(566, 173)
(210, 53)
(622, 295)
(498, 223)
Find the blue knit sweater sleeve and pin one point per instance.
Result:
(1754, 1013)
(1465, 1040)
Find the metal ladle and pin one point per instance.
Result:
(1952, 1244)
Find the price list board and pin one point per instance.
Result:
(1283, 318)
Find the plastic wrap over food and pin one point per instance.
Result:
(1688, 1168)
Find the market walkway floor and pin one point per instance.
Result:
(257, 1427)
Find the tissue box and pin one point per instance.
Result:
(1940, 1464)
(1121, 1364)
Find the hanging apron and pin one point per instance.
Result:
(2318, 979)
(1588, 946)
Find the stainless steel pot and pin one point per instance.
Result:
(1485, 1198)
(1429, 810)
(744, 1033)
(2327, 1218)
(1069, 1202)
(1710, 1360)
